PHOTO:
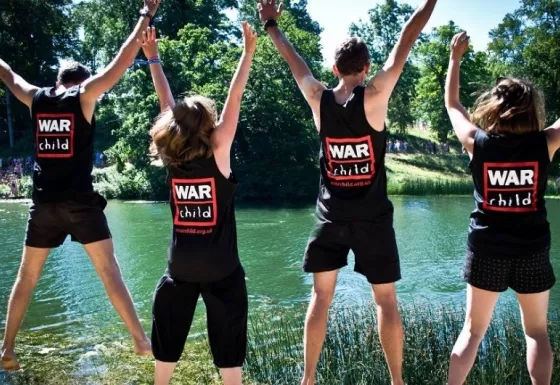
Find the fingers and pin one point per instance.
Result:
(280, 8)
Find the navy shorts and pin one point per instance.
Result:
(226, 309)
(374, 246)
(81, 217)
(524, 275)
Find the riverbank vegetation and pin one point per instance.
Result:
(276, 148)
(352, 353)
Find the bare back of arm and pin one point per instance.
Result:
(381, 86)
(311, 88)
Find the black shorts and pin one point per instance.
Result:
(528, 275)
(374, 246)
(81, 217)
(226, 310)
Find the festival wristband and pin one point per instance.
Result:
(155, 60)
(270, 23)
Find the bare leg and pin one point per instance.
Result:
(232, 376)
(480, 306)
(103, 257)
(164, 372)
(32, 263)
(534, 312)
(316, 322)
(390, 329)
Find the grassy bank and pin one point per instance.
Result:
(352, 354)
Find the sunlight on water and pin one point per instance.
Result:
(70, 299)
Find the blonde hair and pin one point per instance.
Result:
(513, 106)
(183, 133)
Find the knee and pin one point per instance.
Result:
(473, 333)
(387, 303)
(323, 297)
(109, 269)
(539, 335)
(28, 277)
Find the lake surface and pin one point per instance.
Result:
(70, 300)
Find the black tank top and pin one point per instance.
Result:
(353, 177)
(203, 245)
(510, 175)
(63, 145)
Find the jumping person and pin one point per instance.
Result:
(353, 209)
(63, 199)
(203, 258)
(509, 235)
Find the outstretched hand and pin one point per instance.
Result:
(249, 38)
(149, 43)
(268, 10)
(152, 6)
(459, 45)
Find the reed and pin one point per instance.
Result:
(352, 354)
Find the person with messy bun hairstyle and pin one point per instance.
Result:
(194, 145)
(509, 234)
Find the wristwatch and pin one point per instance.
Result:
(145, 13)
(270, 23)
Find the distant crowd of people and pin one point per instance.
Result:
(434, 148)
(11, 172)
(398, 146)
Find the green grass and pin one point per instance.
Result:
(352, 354)
(418, 174)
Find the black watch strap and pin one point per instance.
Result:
(270, 23)
(146, 13)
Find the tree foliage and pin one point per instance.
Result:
(276, 147)
(433, 57)
(527, 44)
(381, 33)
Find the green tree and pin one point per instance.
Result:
(433, 57)
(34, 34)
(527, 44)
(106, 24)
(381, 32)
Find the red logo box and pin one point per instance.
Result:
(371, 158)
(58, 134)
(489, 189)
(177, 221)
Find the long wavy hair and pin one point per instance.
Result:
(183, 133)
(513, 106)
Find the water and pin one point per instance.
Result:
(70, 300)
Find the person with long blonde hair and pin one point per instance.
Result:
(509, 234)
(194, 145)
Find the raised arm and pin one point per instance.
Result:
(460, 119)
(150, 48)
(553, 138)
(227, 126)
(309, 86)
(97, 85)
(386, 79)
(23, 91)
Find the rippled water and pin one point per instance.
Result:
(70, 299)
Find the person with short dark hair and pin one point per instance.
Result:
(509, 235)
(64, 202)
(353, 208)
(73, 73)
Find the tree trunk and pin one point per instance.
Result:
(9, 118)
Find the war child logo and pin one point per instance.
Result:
(511, 187)
(55, 136)
(351, 161)
(195, 204)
